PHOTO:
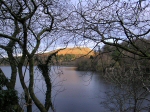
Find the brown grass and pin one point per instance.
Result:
(76, 51)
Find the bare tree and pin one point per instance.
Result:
(122, 24)
(24, 26)
(125, 25)
(128, 93)
(112, 22)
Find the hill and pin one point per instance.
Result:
(68, 56)
(63, 55)
(78, 51)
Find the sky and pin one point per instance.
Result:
(89, 44)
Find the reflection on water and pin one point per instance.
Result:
(73, 91)
(83, 92)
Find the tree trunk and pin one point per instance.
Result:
(27, 95)
(31, 89)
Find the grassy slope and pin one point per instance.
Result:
(75, 51)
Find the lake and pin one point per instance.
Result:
(83, 91)
(73, 91)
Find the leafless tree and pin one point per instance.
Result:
(128, 93)
(112, 22)
(118, 23)
(25, 25)
(125, 25)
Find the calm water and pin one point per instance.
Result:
(73, 91)
(83, 91)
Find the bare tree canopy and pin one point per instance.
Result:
(27, 25)
(122, 29)
(112, 22)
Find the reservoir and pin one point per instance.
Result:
(72, 91)
(83, 91)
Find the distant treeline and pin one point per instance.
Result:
(63, 59)
(115, 57)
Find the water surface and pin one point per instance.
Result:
(73, 91)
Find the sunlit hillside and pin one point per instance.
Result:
(75, 51)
